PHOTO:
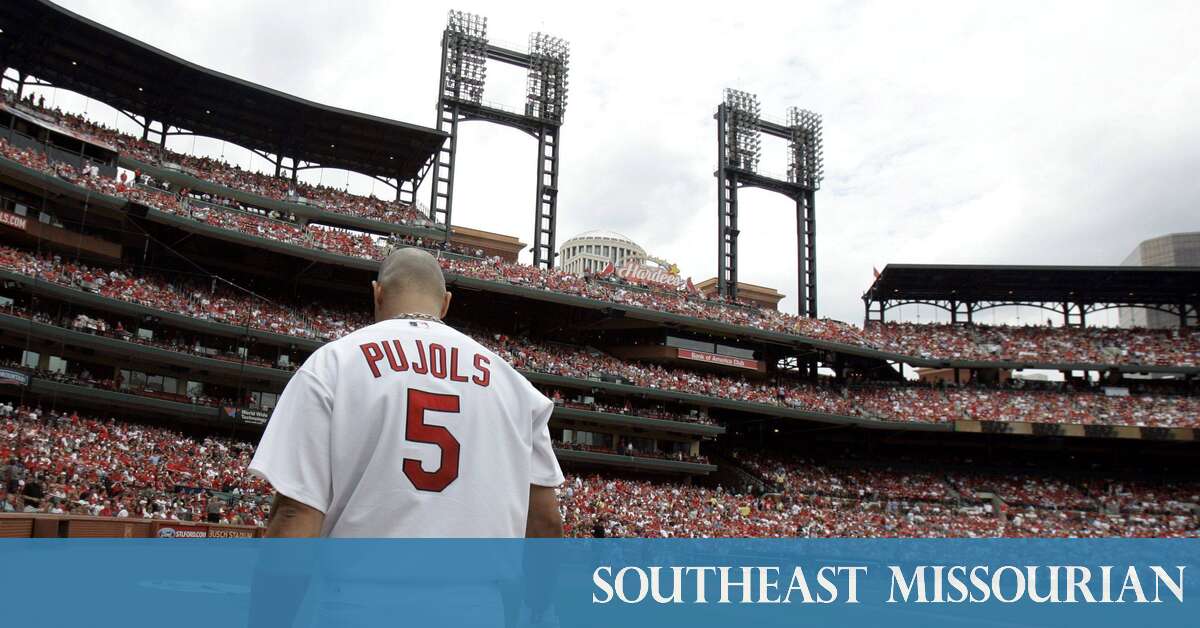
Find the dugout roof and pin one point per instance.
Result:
(72, 52)
(1040, 284)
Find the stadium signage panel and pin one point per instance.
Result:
(12, 220)
(215, 532)
(714, 358)
(635, 272)
(251, 416)
(15, 378)
(180, 531)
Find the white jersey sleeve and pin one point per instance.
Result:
(543, 469)
(294, 454)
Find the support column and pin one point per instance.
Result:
(441, 202)
(727, 234)
(441, 197)
(806, 211)
(727, 230)
(879, 311)
(546, 209)
(406, 191)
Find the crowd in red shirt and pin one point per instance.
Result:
(111, 468)
(1038, 344)
(199, 299)
(1030, 403)
(163, 339)
(88, 466)
(645, 408)
(359, 245)
(328, 198)
(806, 498)
(910, 403)
(1032, 344)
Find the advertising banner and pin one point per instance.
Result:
(12, 220)
(644, 274)
(230, 532)
(251, 416)
(714, 358)
(176, 530)
(14, 377)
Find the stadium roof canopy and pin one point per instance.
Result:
(72, 52)
(1037, 284)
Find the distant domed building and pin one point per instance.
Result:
(591, 251)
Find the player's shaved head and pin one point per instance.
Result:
(410, 281)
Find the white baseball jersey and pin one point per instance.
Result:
(409, 428)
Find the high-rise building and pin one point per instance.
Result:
(1176, 249)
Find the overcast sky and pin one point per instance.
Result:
(997, 132)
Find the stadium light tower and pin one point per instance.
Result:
(465, 53)
(739, 146)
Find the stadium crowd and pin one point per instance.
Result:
(163, 338)
(190, 297)
(348, 243)
(627, 406)
(1025, 344)
(83, 376)
(1026, 402)
(65, 463)
(632, 452)
(1039, 344)
(912, 403)
(807, 498)
(325, 197)
(569, 361)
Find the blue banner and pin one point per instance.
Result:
(175, 583)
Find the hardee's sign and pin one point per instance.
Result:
(641, 273)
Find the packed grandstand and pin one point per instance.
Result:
(65, 463)
(154, 303)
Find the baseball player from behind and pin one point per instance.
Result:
(409, 428)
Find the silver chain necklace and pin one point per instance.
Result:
(418, 316)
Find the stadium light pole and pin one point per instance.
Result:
(465, 53)
(740, 127)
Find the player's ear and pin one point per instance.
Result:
(446, 304)
(375, 293)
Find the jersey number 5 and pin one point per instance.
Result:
(417, 430)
